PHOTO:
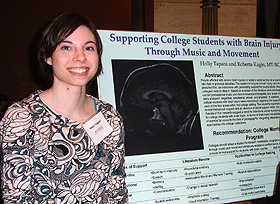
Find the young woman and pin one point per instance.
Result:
(62, 145)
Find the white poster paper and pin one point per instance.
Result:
(201, 114)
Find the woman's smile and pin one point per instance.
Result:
(78, 70)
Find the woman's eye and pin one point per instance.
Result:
(89, 48)
(65, 48)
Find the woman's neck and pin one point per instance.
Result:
(72, 103)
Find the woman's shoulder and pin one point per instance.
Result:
(104, 106)
(28, 105)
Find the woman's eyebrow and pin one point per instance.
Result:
(90, 41)
(67, 41)
(70, 42)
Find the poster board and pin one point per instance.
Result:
(201, 114)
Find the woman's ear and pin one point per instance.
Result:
(49, 61)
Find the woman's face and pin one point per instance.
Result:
(75, 60)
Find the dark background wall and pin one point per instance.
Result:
(22, 19)
(268, 18)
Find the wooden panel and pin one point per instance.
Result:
(235, 17)
(178, 16)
